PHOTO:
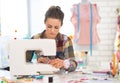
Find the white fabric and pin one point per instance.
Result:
(4, 56)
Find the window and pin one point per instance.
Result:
(14, 22)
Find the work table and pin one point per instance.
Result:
(73, 77)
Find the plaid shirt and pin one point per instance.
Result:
(64, 49)
(63, 44)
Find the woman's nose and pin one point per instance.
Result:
(52, 29)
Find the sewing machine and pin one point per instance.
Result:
(17, 52)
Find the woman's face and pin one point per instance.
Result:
(52, 27)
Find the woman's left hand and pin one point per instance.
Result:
(58, 63)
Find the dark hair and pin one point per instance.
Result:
(54, 12)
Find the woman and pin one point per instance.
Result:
(64, 58)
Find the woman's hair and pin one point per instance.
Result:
(54, 12)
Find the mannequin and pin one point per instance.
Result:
(85, 1)
(85, 16)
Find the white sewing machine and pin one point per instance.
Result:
(17, 49)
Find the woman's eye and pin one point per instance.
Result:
(56, 27)
(49, 26)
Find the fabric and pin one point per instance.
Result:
(4, 53)
(84, 22)
(117, 38)
(118, 55)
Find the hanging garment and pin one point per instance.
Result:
(85, 18)
(117, 37)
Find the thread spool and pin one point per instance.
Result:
(114, 65)
(50, 79)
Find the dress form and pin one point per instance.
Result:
(84, 1)
(84, 9)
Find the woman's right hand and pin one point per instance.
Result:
(42, 60)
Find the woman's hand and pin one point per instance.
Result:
(43, 60)
(58, 63)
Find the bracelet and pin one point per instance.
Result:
(66, 63)
(71, 67)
